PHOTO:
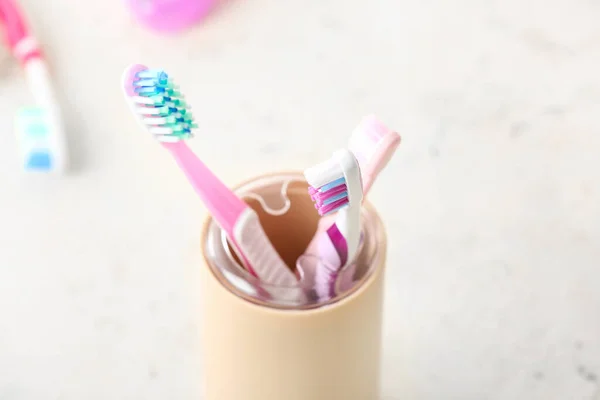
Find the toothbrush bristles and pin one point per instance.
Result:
(161, 106)
(327, 187)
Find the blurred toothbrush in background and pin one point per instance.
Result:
(169, 16)
(373, 144)
(160, 108)
(40, 130)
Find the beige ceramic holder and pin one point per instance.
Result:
(253, 351)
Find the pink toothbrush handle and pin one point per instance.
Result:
(14, 23)
(379, 160)
(12, 20)
(221, 202)
(327, 243)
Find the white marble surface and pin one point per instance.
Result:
(491, 203)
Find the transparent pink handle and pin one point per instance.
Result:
(221, 202)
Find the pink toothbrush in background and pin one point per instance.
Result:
(169, 16)
(373, 145)
(41, 130)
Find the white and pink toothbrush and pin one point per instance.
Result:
(41, 130)
(335, 186)
(157, 104)
(373, 145)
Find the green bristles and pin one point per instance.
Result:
(165, 101)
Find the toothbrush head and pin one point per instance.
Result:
(158, 105)
(373, 144)
(335, 183)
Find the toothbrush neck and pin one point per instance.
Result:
(348, 224)
(224, 205)
(27, 49)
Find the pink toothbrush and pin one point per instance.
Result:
(158, 105)
(22, 44)
(335, 185)
(373, 145)
(47, 149)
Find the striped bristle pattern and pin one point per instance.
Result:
(330, 197)
(161, 106)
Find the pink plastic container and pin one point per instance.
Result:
(169, 16)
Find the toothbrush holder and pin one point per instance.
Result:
(296, 348)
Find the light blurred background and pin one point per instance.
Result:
(491, 202)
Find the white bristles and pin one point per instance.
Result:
(147, 110)
(143, 100)
(154, 121)
(159, 130)
(323, 173)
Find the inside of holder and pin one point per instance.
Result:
(288, 217)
